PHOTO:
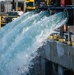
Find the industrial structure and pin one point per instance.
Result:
(57, 55)
(10, 4)
(51, 58)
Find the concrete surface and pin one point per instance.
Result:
(58, 53)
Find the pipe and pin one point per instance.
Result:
(57, 8)
(60, 7)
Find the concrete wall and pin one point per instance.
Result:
(59, 53)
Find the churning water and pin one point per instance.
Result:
(20, 39)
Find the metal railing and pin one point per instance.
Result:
(4, 22)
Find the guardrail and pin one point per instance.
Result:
(3, 20)
(65, 40)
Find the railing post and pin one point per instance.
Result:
(0, 22)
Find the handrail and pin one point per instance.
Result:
(0, 22)
(3, 23)
(5, 16)
(10, 16)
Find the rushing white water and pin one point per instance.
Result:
(18, 47)
(8, 38)
(16, 22)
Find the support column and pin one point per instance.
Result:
(24, 6)
(68, 72)
(60, 70)
(54, 69)
(43, 66)
(16, 5)
(61, 32)
(69, 36)
(48, 68)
